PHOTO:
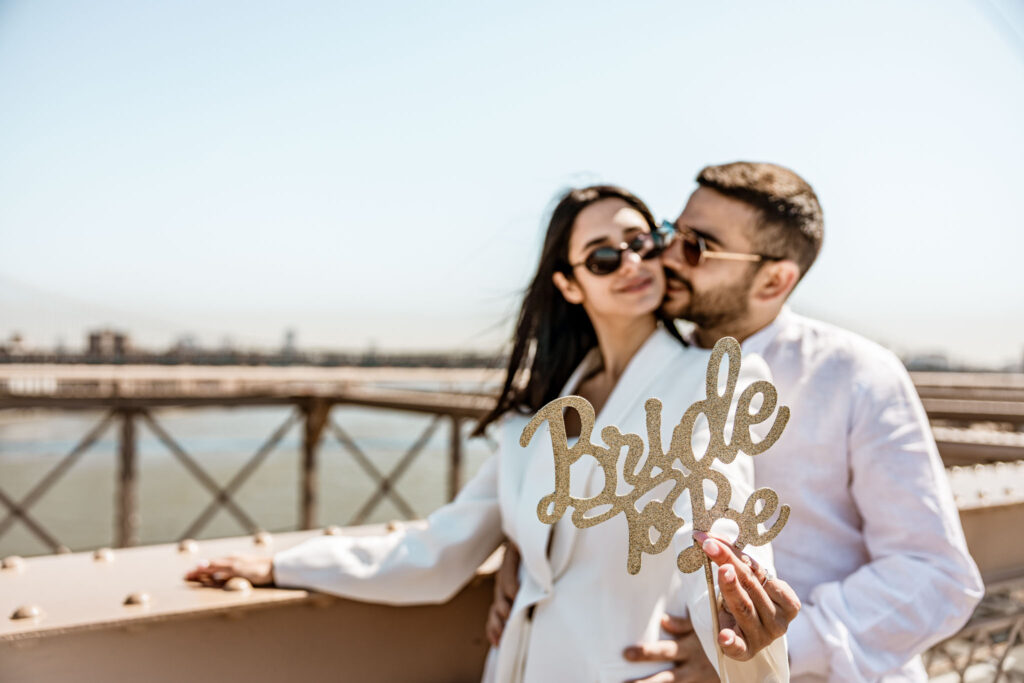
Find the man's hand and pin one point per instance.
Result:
(506, 585)
(258, 570)
(691, 664)
(756, 609)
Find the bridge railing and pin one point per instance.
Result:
(128, 416)
(131, 398)
(131, 402)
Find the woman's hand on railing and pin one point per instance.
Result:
(259, 571)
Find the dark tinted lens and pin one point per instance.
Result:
(603, 261)
(691, 251)
(639, 244)
(646, 246)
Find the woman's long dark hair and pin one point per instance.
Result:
(552, 336)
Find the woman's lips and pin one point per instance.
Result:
(637, 284)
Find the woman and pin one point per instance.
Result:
(587, 327)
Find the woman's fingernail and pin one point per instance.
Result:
(711, 548)
(727, 640)
(728, 575)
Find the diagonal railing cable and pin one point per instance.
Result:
(221, 496)
(33, 526)
(386, 486)
(378, 477)
(19, 509)
(240, 477)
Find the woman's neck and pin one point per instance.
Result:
(619, 339)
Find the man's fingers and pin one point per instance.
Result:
(509, 589)
(494, 628)
(660, 677)
(502, 607)
(684, 673)
(658, 651)
(507, 581)
(733, 645)
(678, 626)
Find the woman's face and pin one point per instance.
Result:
(636, 288)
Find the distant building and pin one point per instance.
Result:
(108, 344)
(289, 348)
(14, 346)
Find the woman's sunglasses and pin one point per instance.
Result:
(695, 248)
(606, 260)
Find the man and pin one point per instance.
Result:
(873, 547)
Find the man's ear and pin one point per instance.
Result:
(776, 280)
(570, 289)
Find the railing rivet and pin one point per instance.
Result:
(14, 562)
(188, 546)
(238, 585)
(27, 612)
(262, 538)
(103, 555)
(137, 599)
(332, 531)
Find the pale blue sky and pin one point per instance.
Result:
(380, 171)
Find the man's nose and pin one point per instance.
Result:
(672, 257)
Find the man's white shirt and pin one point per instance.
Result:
(873, 546)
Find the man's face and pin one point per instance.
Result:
(715, 291)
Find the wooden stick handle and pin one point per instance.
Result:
(713, 602)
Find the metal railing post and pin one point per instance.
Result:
(455, 458)
(315, 412)
(127, 529)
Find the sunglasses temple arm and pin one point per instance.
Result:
(729, 256)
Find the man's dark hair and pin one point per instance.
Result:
(792, 225)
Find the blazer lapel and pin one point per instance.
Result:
(538, 481)
(624, 405)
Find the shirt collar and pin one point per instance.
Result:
(756, 342)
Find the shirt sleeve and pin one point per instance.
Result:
(920, 584)
(416, 564)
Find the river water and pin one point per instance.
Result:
(80, 509)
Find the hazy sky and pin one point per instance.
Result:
(381, 171)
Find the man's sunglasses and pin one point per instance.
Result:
(606, 260)
(695, 248)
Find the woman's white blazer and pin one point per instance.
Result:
(586, 607)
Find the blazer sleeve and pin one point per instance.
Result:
(772, 663)
(416, 564)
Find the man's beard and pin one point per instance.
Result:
(712, 309)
